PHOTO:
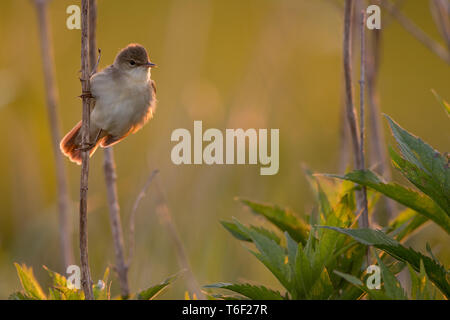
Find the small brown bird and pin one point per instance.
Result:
(125, 99)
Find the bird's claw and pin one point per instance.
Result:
(86, 147)
(86, 94)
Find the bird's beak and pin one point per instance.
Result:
(150, 65)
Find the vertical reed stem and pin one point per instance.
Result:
(121, 266)
(51, 90)
(86, 281)
(109, 167)
(365, 212)
(350, 109)
(378, 155)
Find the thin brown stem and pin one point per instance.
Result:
(109, 167)
(416, 32)
(140, 196)
(121, 266)
(365, 211)
(51, 90)
(86, 280)
(92, 37)
(344, 140)
(378, 155)
(440, 10)
(350, 109)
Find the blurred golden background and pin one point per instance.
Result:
(231, 64)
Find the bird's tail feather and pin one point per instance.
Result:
(71, 144)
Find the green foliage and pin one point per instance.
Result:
(152, 292)
(405, 224)
(302, 264)
(443, 103)
(380, 240)
(421, 288)
(61, 289)
(320, 261)
(249, 291)
(238, 234)
(408, 197)
(32, 289)
(283, 218)
(424, 166)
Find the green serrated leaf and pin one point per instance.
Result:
(373, 294)
(444, 103)
(284, 219)
(250, 291)
(58, 280)
(391, 285)
(234, 230)
(325, 206)
(408, 197)
(422, 180)
(350, 278)
(238, 234)
(225, 297)
(64, 293)
(421, 287)
(152, 292)
(29, 283)
(19, 296)
(406, 223)
(271, 254)
(378, 239)
(428, 248)
(322, 288)
(424, 166)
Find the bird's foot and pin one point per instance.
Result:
(86, 147)
(86, 94)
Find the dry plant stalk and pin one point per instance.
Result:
(378, 155)
(65, 227)
(110, 174)
(440, 9)
(416, 32)
(350, 109)
(344, 138)
(86, 280)
(365, 211)
(121, 266)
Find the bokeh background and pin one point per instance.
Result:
(231, 64)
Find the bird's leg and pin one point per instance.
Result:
(86, 94)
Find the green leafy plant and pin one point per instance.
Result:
(60, 289)
(325, 258)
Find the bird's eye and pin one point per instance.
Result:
(132, 62)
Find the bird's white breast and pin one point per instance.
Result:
(122, 99)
